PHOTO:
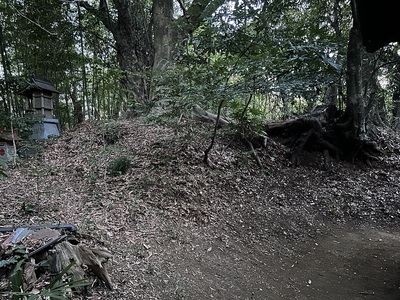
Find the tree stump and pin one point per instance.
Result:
(93, 258)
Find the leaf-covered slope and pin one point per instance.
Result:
(170, 208)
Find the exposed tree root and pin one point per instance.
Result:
(322, 132)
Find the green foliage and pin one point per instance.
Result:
(280, 51)
(119, 166)
(28, 208)
(250, 120)
(34, 47)
(112, 132)
(253, 52)
(191, 83)
(15, 255)
(54, 290)
(17, 279)
(14, 262)
(23, 124)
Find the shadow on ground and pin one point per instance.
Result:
(340, 264)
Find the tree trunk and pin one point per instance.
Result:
(133, 41)
(396, 97)
(396, 109)
(355, 102)
(6, 70)
(335, 94)
(165, 37)
(134, 45)
(148, 42)
(164, 34)
(79, 115)
(341, 136)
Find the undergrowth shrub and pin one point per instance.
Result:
(23, 124)
(112, 132)
(119, 166)
(249, 120)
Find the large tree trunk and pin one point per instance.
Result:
(351, 130)
(170, 34)
(165, 39)
(134, 43)
(396, 97)
(355, 103)
(133, 38)
(165, 34)
(135, 78)
(147, 42)
(396, 109)
(334, 93)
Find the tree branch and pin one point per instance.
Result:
(198, 10)
(206, 152)
(182, 7)
(102, 13)
(31, 21)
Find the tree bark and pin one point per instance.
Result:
(396, 97)
(133, 37)
(355, 102)
(79, 115)
(134, 44)
(334, 93)
(165, 34)
(396, 109)
(6, 70)
(148, 42)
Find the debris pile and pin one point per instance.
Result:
(48, 260)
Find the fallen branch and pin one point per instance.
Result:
(206, 116)
(254, 152)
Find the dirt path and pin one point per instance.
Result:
(341, 264)
(356, 264)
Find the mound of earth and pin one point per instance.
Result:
(179, 229)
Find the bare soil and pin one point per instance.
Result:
(179, 229)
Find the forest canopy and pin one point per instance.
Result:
(257, 60)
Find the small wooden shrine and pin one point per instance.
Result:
(39, 94)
